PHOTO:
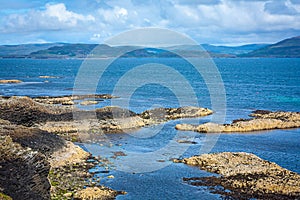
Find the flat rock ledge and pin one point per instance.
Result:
(263, 120)
(112, 119)
(245, 175)
(10, 81)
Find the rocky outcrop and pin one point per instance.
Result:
(25, 111)
(23, 172)
(246, 176)
(159, 115)
(69, 99)
(45, 76)
(34, 138)
(92, 193)
(70, 177)
(88, 102)
(263, 120)
(10, 81)
(113, 119)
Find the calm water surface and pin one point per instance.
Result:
(271, 84)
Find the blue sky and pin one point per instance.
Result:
(229, 22)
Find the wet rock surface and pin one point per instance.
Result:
(263, 120)
(23, 171)
(244, 176)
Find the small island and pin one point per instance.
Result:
(262, 120)
(10, 81)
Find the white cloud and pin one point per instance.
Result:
(208, 21)
(54, 17)
(115, 15)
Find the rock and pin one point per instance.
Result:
(69, 194)
(10, 81)
(186, 142)
(23, 172)
(92, 193)
(164, 114)
(114, 112)
(69, 154)
(67, 103)
(246, 175)
(5, 197)
(263, 120)
(48, 77)
(67, 99)
(86, 103)
(25, 111)
(111, 176)
(34, 138)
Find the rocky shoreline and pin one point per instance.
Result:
(41, 162)
(244, 176)
(262, 120)
(34, 134)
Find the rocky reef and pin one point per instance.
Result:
(70, 99)
(244, 176)
(262, 120)
(34, 160)
(39, 164)
(10, 81)
(112, 119)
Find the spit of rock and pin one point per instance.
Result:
(263, 120)
(246, 176)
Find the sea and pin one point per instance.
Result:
(232, 87)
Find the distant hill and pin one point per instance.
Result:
(23, 50)
(234, 50)
(288, 48)
(64, 51)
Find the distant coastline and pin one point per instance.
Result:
(288, 48)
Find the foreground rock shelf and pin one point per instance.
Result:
(245, 175)
(263, 120)
(68, 121)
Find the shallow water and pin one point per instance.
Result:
(146, 172)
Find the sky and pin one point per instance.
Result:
(221, 22)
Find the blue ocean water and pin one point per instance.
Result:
(250, 84)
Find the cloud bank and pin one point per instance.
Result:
(206, 21)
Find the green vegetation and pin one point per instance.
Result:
(4, 197)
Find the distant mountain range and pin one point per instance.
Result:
(286, 48)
